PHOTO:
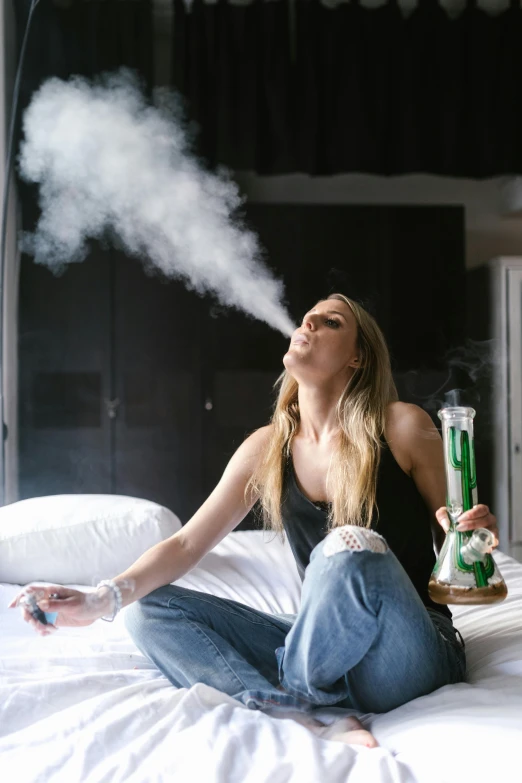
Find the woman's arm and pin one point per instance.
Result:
(223, 510)
(165, 562)
(417, 446)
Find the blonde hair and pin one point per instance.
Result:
(360, 410)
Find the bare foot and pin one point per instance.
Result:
(348, 730)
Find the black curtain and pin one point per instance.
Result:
(80, 38)
(233, 65)
(86, 38)
(279, 87)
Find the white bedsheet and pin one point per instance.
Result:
(85, 705)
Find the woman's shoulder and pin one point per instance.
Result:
(261, 435)
(247, 456)
(406, 414)
(255, 443)
(407, 426)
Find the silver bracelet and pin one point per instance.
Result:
(117, 594)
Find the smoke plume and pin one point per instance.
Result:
(467, 376)
(109, 163)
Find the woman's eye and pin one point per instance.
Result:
(332, 323)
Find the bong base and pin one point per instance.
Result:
(442, 593)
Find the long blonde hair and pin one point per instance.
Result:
(361, 411)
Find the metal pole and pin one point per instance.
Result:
(3, 238)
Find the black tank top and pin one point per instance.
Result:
(403, 520)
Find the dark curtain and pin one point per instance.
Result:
(80, 38)
(276, 87)
(233, 65)
(86, 38)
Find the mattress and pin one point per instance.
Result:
(85, 705)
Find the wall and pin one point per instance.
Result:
(493, 226)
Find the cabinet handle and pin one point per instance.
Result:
(112, 407)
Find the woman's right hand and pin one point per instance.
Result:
(74, 607)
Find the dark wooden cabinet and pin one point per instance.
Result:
(131, 384)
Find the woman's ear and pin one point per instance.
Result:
(355, 363)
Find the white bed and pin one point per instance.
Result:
(85, 705)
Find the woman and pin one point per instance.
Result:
(356, 479)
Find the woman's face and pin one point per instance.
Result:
(325, 345)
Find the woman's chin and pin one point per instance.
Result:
(289, 360)
(292, 363)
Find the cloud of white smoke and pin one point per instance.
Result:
(107, 162)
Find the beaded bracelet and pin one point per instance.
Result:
(117, 593)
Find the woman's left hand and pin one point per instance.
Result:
(478, 516)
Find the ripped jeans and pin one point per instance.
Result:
(362, 639)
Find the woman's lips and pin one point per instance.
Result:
(299, 341)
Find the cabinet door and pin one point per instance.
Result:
(243, 356)
(63, 378)
(157, 396)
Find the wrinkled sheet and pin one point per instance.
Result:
(85, 705)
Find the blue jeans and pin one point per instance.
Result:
(362, 639)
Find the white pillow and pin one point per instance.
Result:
(78, 539)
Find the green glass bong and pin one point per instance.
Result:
(465, 571)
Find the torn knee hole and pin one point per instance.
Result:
(352, 538)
